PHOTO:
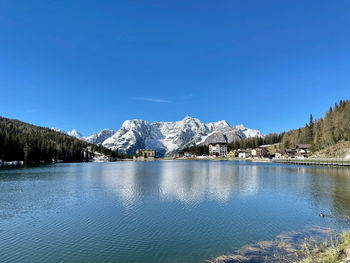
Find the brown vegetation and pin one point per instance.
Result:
(323, 132)
(297, 247)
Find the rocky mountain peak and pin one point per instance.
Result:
(167, 138)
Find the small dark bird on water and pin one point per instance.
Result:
(21, 189)
(322, 215)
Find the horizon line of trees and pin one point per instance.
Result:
(242, 143)
(322, 132)
(21, 141)
(29, 143)
(319, 133)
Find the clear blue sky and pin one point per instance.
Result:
(90, 65)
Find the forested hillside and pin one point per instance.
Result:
(320, 133)
(25, 142)
(323, 132)
(244, 143)
(29, 143)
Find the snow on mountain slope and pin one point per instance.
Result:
(76, 134)
(73, 133)
(99, 138)
(249, 132)
(131, 136)
(167, 138)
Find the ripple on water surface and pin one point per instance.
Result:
(162, 211)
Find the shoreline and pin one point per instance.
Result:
(321, 162)
(306, 162)
(312, 245)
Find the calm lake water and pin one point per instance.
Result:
(161, 211)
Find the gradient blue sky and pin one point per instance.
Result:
(90, 65)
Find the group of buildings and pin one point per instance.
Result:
(219, 149)
(144, 154)
(301, 151)
(11, 163)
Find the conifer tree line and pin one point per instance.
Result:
(319, 133)
(25, 142)
(253, 142)
(322, 132)
(243, 143)
(197, 150)
(21, 141)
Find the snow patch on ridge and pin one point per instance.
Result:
(166, 138)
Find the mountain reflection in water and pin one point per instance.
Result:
(162, 211)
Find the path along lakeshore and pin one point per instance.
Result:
(323, 162)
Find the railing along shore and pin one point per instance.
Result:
(326, 162)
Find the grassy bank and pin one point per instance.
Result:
(338, 150)
(313, 245)
(332, 251)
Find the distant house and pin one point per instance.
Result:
(291, 153)
(188, 154)
(218, 149)
(259, 152)
(143, 154)
(232, 154)
(303, 150)
(243, 154)
(278, 155)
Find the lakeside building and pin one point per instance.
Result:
(259, 152)
(243, 154)
(218, 149)
(144, 154)
(291, 153)
(232, 154)
(12, 163)
(278, 155)
(188, 154)
(302, 150)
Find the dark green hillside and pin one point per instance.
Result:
(25, 142)
(238, 144)
(323, 132)
(320, 133)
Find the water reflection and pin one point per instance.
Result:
(162, 211)
(188, 184)
(207, 179)
(192, 182)
(125, 181)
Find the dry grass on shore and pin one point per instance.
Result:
(337, 251)
(295, 247)
(339, 150)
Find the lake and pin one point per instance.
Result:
(161, 211)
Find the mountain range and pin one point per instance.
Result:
(167, 138)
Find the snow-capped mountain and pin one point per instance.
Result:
(99, 138)
(166, 138)
(76, 134)
(96, 138)
(169, 137)
(73, 133)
